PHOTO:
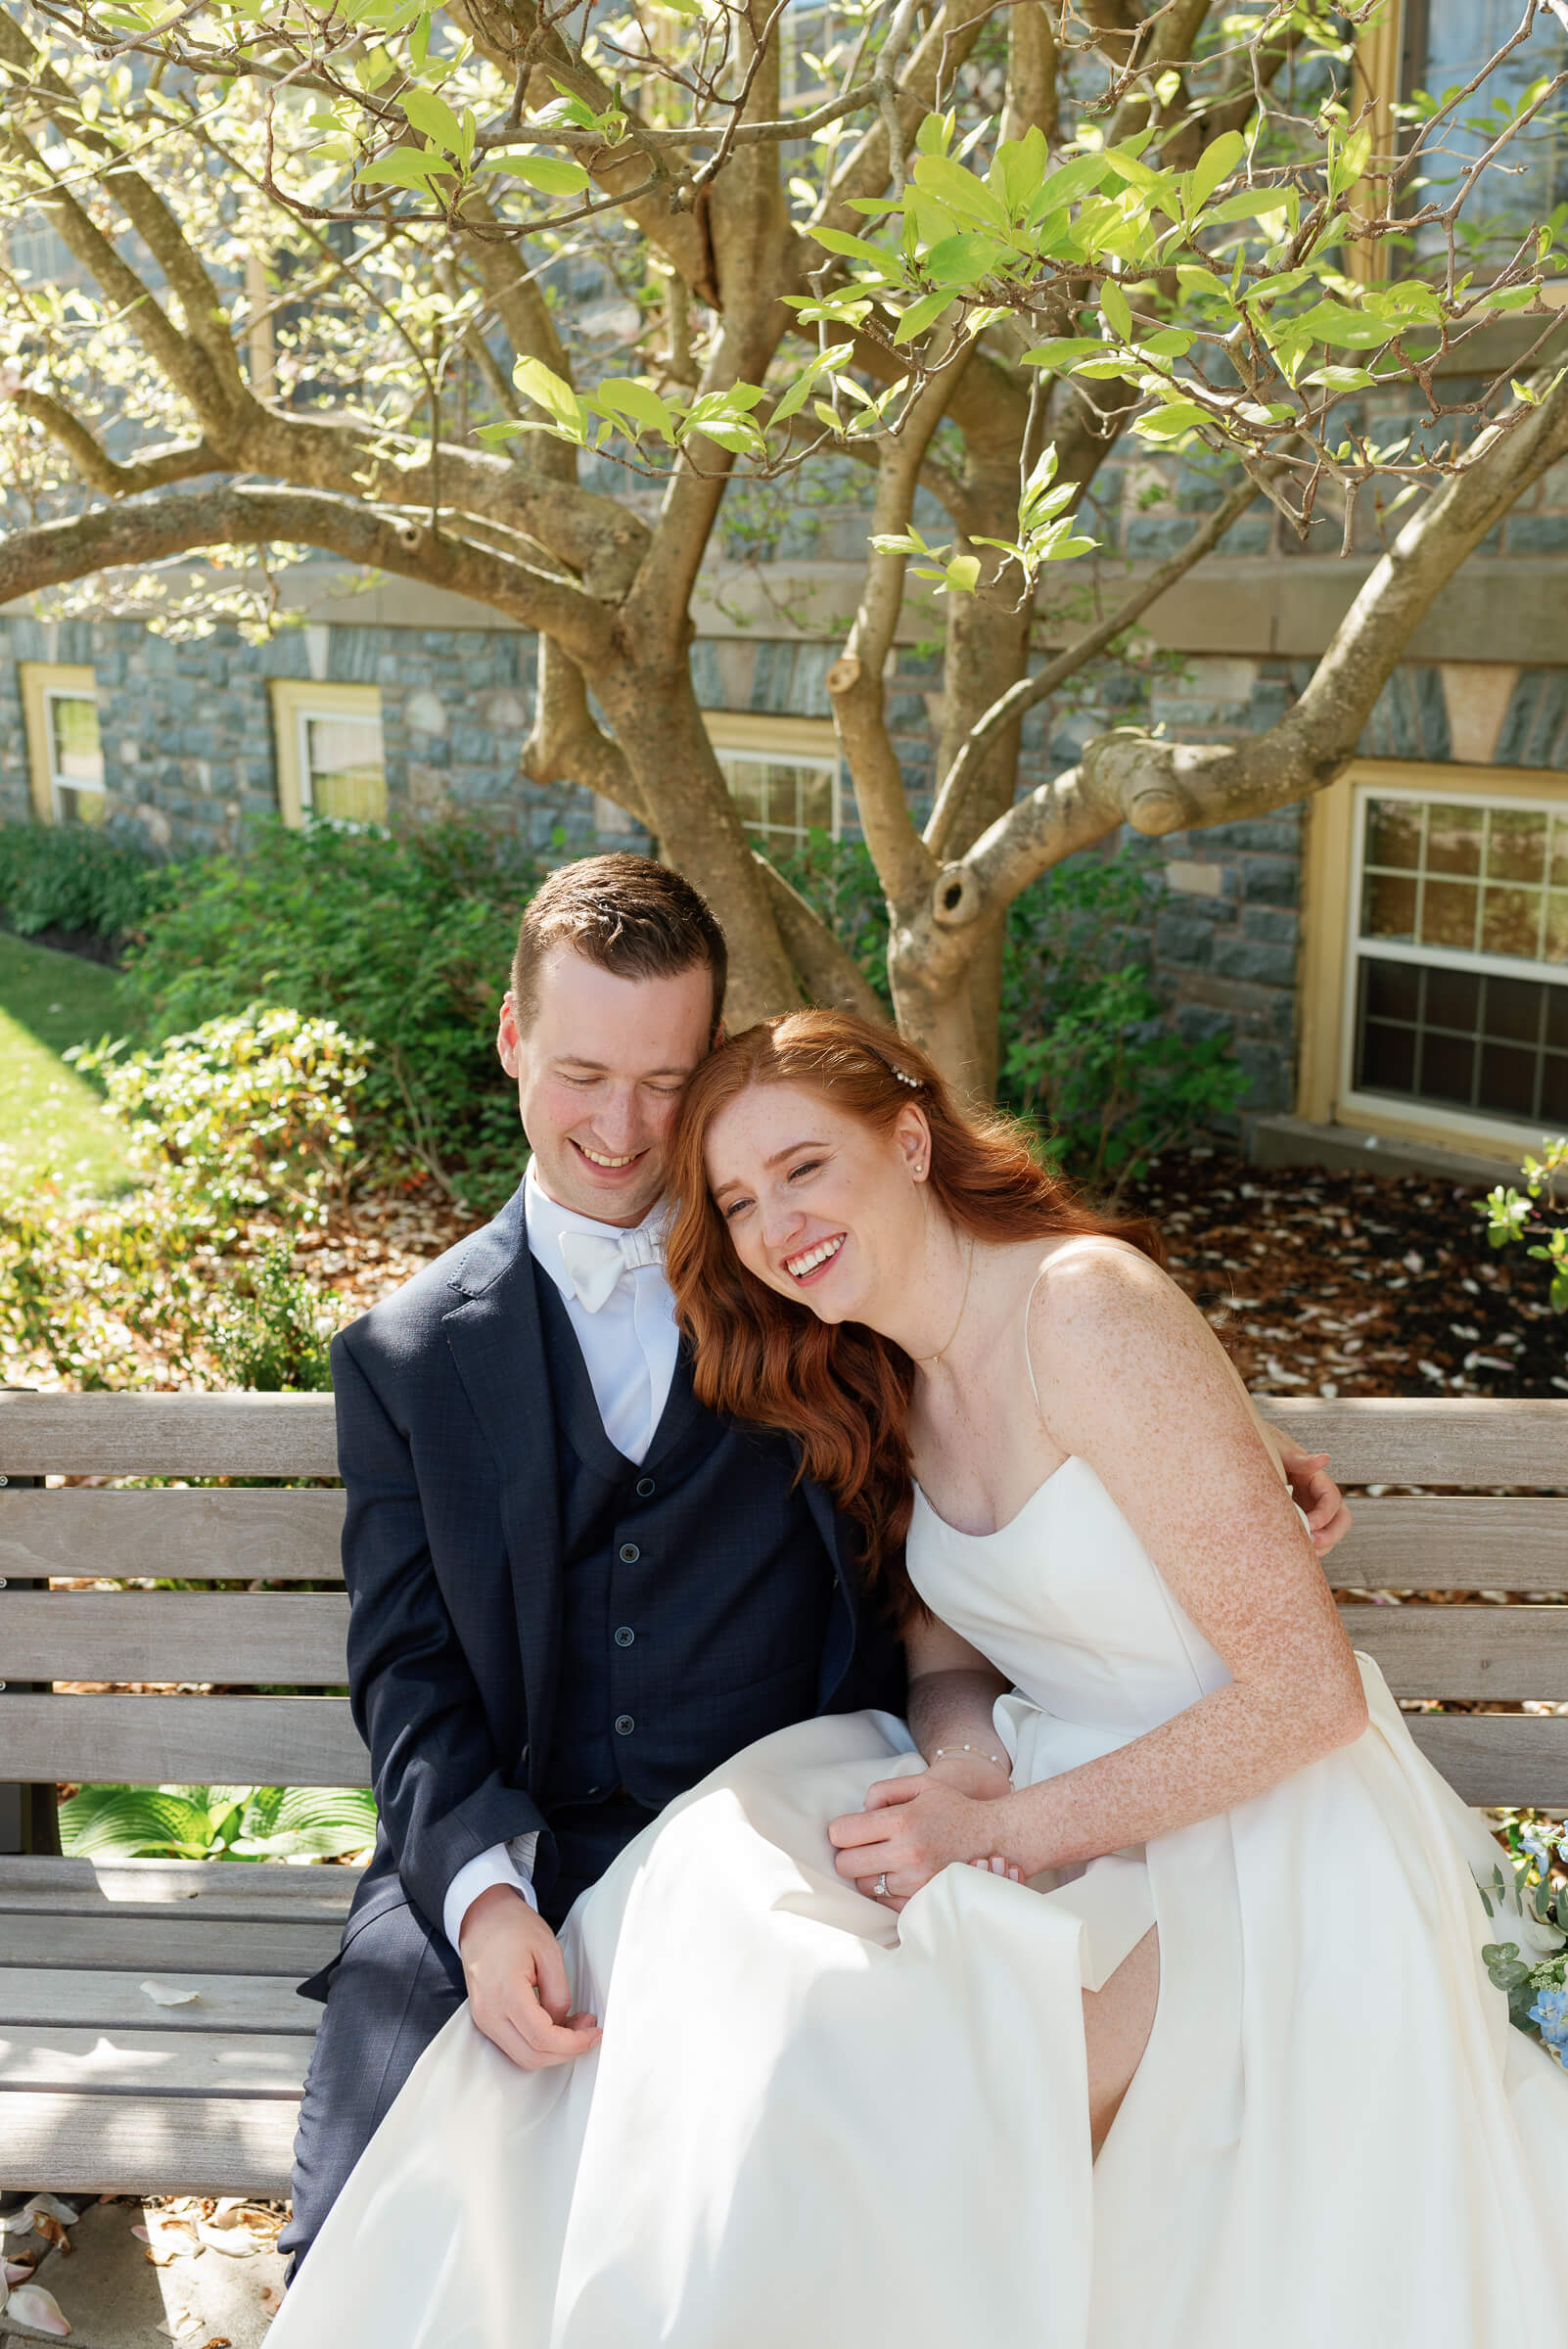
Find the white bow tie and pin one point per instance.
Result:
(596, 1263)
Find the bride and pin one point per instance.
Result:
(1199, 2051)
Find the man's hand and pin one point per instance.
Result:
(517, 1983)
(1317, 1496)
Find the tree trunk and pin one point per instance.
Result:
(658, 727)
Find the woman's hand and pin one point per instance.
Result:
(912, 1829)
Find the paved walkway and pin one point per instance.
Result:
(113, 2297)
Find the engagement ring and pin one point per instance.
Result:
(880, 1889)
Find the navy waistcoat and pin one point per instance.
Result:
(696, 1591)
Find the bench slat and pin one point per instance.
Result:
(1464, 1440)
(163, 2064)
(156, 1945)
(255, 1888)
(171, 1742)
(147, 2145)
(1453, 1544)
(174, 1636)
(80, 1999)
(168, 1435)
(232, 1535)
(1506, 1654)
(1499, 1760)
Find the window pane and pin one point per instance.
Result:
(1453, 838)
(748, 788)
(79, 806)
(78, 758)
(816, 800)
(1393, 989)
(1394, 833)
(1388, 1059)
(1516, 844)
(347, 777)
(783, 799)
(1557, 1017)
(1531, 175)
(1447, 1067)
(1390, 907)
(1454, 999)
(1556, 942)
(1448, 914)
(1511, 921)
(1554, 1089)
(1508, 1080)
(1559, 852)
(1513, 1011)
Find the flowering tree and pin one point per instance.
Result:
(970, 247)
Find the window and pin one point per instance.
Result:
(1462, 902)
(1447, 43)
(64, 752)
(1442, 896)
(782, 772)
(331, 761)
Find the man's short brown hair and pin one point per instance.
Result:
(627, 914)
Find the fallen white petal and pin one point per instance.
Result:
(31, 2304)
(15, 2274)
(163, 1994)
(232, 2240)
(16, 2221)
(50, 2206)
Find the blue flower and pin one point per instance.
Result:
(1550, 2014)
(1533, 1843)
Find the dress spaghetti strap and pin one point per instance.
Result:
(1028, 1359)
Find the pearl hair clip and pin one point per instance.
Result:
(903, 1077)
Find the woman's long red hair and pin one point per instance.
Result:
(839, 1388)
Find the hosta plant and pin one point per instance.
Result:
(218, 1822)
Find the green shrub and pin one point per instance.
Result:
(247, 1111)
(70, 877)
(272, 1338)
(217, 1822)
(1087, 1052)
(405, 941)
(248, 1116)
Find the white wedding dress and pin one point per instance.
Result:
(813, 2125)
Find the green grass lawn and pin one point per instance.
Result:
(47, 1001)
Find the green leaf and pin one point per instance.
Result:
(1250, 204)
(1193, 280)
(1113, 303)
(962, 573)
(549, 174)
(1216, 162)
(432, 118)
(1020, 167)
(959, 190)
(1341, 379)
(637, 402)
(854, 248)
(1167, 422)
(536, 382)
(410, 168)
(1062, 350)
(921, 314)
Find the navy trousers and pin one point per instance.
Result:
(395, 1984)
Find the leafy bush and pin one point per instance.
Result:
(247, 1111)
(405, 941)
(217, 1822)
(1537, 1216)
(273, 1339)
(246, 1117)
(1087, 1054)
(839, 879)
(70, 877)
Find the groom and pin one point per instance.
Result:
(573, 1591)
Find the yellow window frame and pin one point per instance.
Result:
(40, 679)
(293, 700)
(1330, 930)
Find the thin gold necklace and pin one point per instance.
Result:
(962, 1301)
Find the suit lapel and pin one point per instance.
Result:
(839, 1535)
(499, 1349)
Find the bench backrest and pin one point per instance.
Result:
(236, 1639)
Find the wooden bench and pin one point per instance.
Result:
(102, 2090)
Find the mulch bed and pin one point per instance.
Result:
(1353, 1284)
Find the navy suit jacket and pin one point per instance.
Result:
(447, 1443)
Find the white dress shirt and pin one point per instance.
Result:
(629, 1346)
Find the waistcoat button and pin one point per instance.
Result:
(624, 1636)
(629, 1554)
(624, 1725)
(645, 1488)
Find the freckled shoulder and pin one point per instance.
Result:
(1099, 1309)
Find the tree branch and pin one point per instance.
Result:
(1022, 696)
(157, 529)
(828, 973)
(566, 745)
(179, 461)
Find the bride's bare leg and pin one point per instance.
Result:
(1117, 2021)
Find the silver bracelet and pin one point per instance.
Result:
(999, 1758)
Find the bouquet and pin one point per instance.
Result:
(1534, 1977)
